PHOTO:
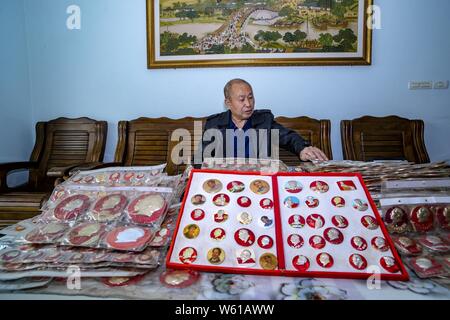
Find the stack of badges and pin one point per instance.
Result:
(285, 224)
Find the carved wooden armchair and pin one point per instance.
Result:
(384, 138)
(61, 145)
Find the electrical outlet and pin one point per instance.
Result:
(441, 84)
(420, 85)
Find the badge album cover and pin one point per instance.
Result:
(293, 224)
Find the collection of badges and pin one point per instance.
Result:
(326, 225)
(421, 233)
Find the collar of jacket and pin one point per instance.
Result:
(224, 119)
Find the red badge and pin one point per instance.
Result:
(359, 243)
(319, 186)
(244, 237)
(333, 235)
(389, 264)
(396, 220)
(221, 200)
(338, 202)
(220, 216)
(147, 208)
(369, 222)
(235, 187)
(10, 256)
(407, 246)
(109, 207)
(426, 266)
(315, 221)
(293, 186)
(357, 261)
(187, 255)
(266, 203)
(340, 221)
(434, 243)
(312, 202)
(346, 185)
(179, 278)
(296, 221)
(197, 214)
(217, 234)
(244, 202)
(49, 233)
(421, 219)
(128, 238)
(70, 208)
(114, 177)
(122, 281)
(317, 242)
(301, 263)
(86, 234)
(380, 244)
(295, 241)
(325, 260)
(265, 242)
(291, 202)
(443, 217)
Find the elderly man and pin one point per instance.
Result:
(235, 125)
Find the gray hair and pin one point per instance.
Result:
(227, 88)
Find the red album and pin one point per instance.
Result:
(289, 224)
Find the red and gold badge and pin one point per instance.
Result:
(317, 242)
(389, 264)
(380, 244)
(358, 261)
(244, 202)
(109, 208)
(197, 214)
(346, 185)
(340, 221)
(221, 200)
(301, 263)
(244, 237)
(369, 222)
(86, 234)
(128, 238)
(296, 221)
(325, 260)
(235, 186)
(265, 242)
(407, 245)
(338, 202)
(71, 207)
(315, 221)
(295, 241)
(396, 220)
(333, 235)
(147, 208)
(312, 202)
(421, 219)
(179, 278)
(359, 243)
(217, 234)
(187, 255)
(266, 203)
(319, 186)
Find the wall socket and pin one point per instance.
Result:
(428, 85)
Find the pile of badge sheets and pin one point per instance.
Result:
(112, 222)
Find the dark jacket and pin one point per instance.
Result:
(260, 119)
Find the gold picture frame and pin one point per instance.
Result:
(229, 33)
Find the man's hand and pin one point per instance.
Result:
(312, 153)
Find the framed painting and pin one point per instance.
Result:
(218, 33)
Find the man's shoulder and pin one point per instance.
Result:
(216, 116)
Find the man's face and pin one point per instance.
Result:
(241, 101)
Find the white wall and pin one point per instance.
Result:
(100, 71)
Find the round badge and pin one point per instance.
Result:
(217, 234)
(128, 238)
(296, 221)
(191, 231)
(244, 237)
(260, 187)
(197, 214)
(346, 185)
(245, 257)
(357, 261)
(421, 219)
(216, 255)
(147, 208)
(187, 255)
(340, 221)
(333, 235)
(319, 186)
(235, 187)
(295, 241)
(359, 243)
(389, 264)
(312, 202)
(220, 216)
(338, 202)
(443, 217)
(122, 281)
(317, 242)
(360, 205)
(109, 208)
(406, 245)
(86, 234)
(114, 177)
(212, 186)
(315, 221)
(369, 222)
(128, 177)
(301, 263)
(291, 202)
(221, 200)
(244, 202)
(198, 200)
(265, 242)
(179, 278)
(161, 237)
(325, 260)
(244, 218)
(268, 261)
(10, 256)
(71, 207)
(379, 244)
(265, 222)
(266, 203)
(50, 232)
(396, 220)
(293, 186)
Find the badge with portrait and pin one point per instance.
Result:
(289, 224)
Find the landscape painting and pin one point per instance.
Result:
(190, 33)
